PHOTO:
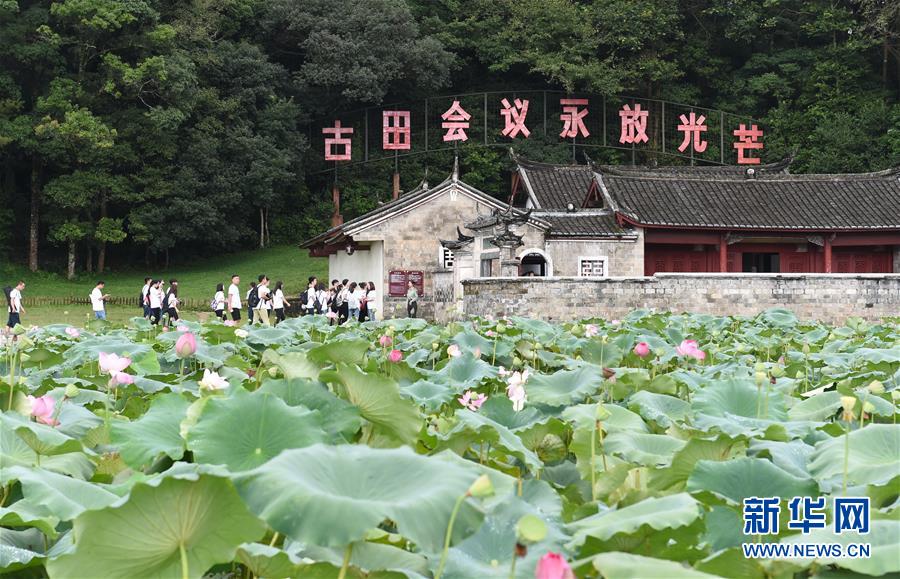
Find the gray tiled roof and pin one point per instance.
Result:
(555, 186)
(581, 224)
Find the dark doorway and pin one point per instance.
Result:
(533, 264)
(761, 263)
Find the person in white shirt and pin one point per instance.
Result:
(322, 299)
(261, 311)
(145, 304)
(353, 295)
(219, 301)
(309, 298)
(14, 306)
(170, 301)
(279, 302)
(154, 300)
(234, 297)
(98, 300)
(371, 303)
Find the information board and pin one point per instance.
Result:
(398, 278)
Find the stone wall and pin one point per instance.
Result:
(830, 298)
(624, 258)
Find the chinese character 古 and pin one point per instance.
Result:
(514, 118)
(337, 140)
(761, 515)
(807, 517)
(693, 126)
(634, 124)
(395, 131)
(747, 139)
(456, 121)
(572, 116)
(851, 514)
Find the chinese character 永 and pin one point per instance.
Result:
(572, 118)
(805, 515)
(395, 131)
(761, 515)
(337, 139)
(514, 118)
(747, 139)
(693, 128)
(634, 124)
(456, 121)
(851, 514)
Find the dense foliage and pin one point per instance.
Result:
(403, 449)
(131, 126)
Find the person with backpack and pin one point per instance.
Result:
(234, 297)
(142, 300)
(323, 301)
(344, 309)
(98, 300)
(14, 305)
(155, 300)
(308, 303)
(261, 299)
(250, 292)
(279, 301)
(170, 303)
(218, 302)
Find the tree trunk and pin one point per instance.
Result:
(268, 237)
(89, 263)
(70, 274)
(101, 254)
(262, 229)
(34, 224)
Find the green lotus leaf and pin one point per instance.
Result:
(368, 559)
(883, 536)
(267, 336)
(475, 427)
(14, 451)
(660, 408)
(178, 528)
(63, 496)
(605, 355)
(430, 395)
(245, 430)
(684, 461)
(292, 364)
(617, 565)
(42, 439)
(24, 513)
(792, 456)
(740, 478)
(642, 448)
(343, 419)
(347, 351)
(156, 432)
(464, 372)
(20, 549)
(355, 488)
(668, 512)
(740, 398)
(816, 408)
(872, 457)
(565, 387)
(266, 561)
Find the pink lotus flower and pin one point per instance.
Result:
(476, 352)
(591, 330)
(186, 345)
(183, 328)
(515, 389)
(501, 371)
(385, 341)
(689, 348)
(615, 322)
(42, 408)
(331, 315)
(121, 379)
(454, 351)
(472, 400)
(229, 323)
(72, 332)
(212, 381)
(490, 334)
(113, 363)
(395, 356)
(553, 566)
(642, 349)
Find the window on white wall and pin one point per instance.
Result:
(595, 266)
(446, 257)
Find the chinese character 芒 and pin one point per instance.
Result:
(747, 139)
(851, 514)
(572, 118)
(761, 515)
(337, 140)
(456, 121)
(634, 124)
(804, 515)
(395, 131)
(693, 126)
(514, 118)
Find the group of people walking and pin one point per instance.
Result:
(159, 303)
(343, 300)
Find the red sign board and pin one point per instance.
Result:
(398, 278)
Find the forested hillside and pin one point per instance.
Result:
(135, 130)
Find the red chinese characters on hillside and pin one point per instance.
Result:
(633, 123)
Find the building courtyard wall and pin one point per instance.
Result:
(624, 257)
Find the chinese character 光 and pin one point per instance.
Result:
(851, 514)
(456, 121)
(337, 140)
(747, 139)
(572, 116)
(761, 515)
(514, 118)
(634, 124)
(693, 126)
(395, 131)
(807, 517)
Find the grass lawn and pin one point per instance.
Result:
(79, 315)
(196, 280)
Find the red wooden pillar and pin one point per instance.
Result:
(827, 254)
(336, 217)
(395, 189)
(723, 254)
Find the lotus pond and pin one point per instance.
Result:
(486, 448)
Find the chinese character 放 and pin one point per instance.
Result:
(693, 126)
(337, 140)
(761, 515)
(395, 131)
(572, 116)
(634, 124)
(851, 514)
(514, 118)
(456, 121)
(747, 139)
(807, 517)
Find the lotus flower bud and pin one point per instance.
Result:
(868, 407)
(186, 345)
(760, 367)
(777, 371)
(799, 375)
(531, 529)
(482, 487)
(806, 349)
(390, 330)
(761, 378)
(875, 387)
(501, 327)
(847, 403)
(435, 345)
(72, 391)
(895, 395)
(517, 361)
(273, 371)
